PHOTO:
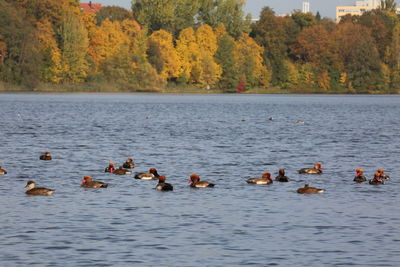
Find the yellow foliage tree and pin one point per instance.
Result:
(105, 40)
(52, 54)
(220, 31)
(324, 80)
(162, 54)
(250, 61)
(188, 51)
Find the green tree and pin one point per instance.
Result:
(271, 33)
(74, 47)
(303, 20)
(155, 14)
(112, 13)
(225, 57)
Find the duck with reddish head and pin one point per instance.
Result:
(265, 179)
(162, 185)
(317, 169)
(310, 190)
(151, 175)
(196, 183)
(282, 177)
(383, 174)
(37, 191)
(45, 156)
(377, 179)
(88, 182)
(110, 167)
(359, 178)
(129, 164)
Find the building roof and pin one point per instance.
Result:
(90, 7)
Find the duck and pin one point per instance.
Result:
(162, 185)
(2, 171)
(310, 190)
(33, 190)
(110, 167)
(265, 179)
(88, 182)
(122, 171)
(151, 175)
(45, 156)
(299, 122)
(383, 174)
(129, 164)
(317, 169)
(281, 177)
(196, 183)
(377, 179)
(359, 178)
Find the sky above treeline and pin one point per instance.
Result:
(327, 8)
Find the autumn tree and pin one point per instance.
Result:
(188, 51)
(163, 56)
(389, 5)
(303, 20)
(360, 57)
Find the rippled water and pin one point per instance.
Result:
(223, 138)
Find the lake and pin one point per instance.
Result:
(226, 139)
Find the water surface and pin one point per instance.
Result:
(225, 139)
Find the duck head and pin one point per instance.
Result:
(162, 179)
(266, 175)
(87, 179)
(154, 172)
(129, 160)
(111, 164)
(380, 171)
(194, 178)
(359, 172)
(30, 185)
(318, 166)
(282, 172)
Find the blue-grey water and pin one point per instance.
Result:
(223, 138)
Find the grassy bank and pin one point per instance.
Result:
(169, 89)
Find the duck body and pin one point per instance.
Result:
(196, 183)
(310, 190)
(316, 170)
(129, 164)
(259, 181)
(360, 179)
(45, 156)
(122, 171)
(88, 182)
(151, 175)
(281, 177)
(2, 171)
(376, 182)
(37, 191)
(382, 174)
(163, 186)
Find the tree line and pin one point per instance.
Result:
(205, 44)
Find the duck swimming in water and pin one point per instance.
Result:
(129, 164)
(383, 174)
(281, 177)
(359, 178)
(265, 179)
(162, 185)
(196, 183)
(88, 182)
(2, 171)
(122, 171)
(310, 190)
(36, 191)
(151, 175)
(377, 179)
(316, 170)
(45, 156)
(110, 167)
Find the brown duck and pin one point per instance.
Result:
(196, 183)
(310, 190)
(88, 182)
(36, 191)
